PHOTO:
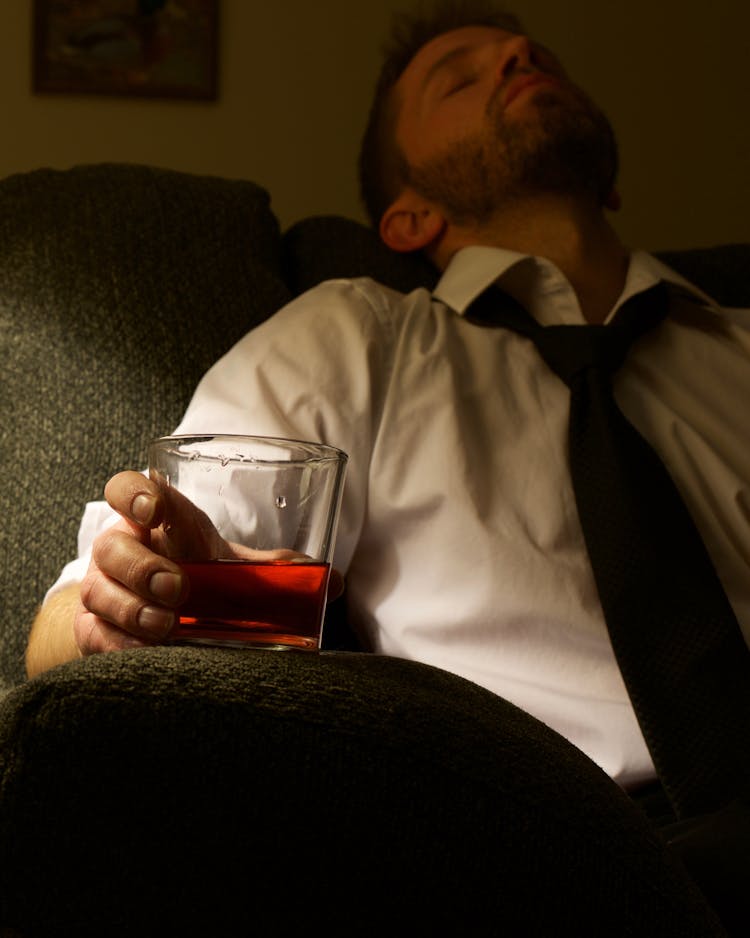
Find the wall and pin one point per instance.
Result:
(296, 78)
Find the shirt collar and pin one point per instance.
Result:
(471, 270)
(540, 286)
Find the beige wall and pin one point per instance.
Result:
(296, 77)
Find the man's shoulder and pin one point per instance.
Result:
(364, 297)
(370, 289)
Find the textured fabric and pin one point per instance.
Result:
(721, 271)
(119, 287)
(675, 635)
(204, 791)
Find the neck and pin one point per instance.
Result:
(576, 238)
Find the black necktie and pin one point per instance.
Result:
(676, 639)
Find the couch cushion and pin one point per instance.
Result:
(119, 286)
(722, 271)
(187, 791)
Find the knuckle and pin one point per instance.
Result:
(88, 589)
(124, 559)
(107, 601)
(84, 632)
(109, 544)
(94, 635)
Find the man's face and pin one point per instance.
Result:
(487, 118)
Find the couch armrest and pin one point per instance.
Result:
(119, 287)
(210, 791)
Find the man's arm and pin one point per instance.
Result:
(51, 641)
(129, 595)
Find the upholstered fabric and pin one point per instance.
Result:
(119, 286)
(216, 792)
(722, 271)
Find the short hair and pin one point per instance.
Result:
(383, 169)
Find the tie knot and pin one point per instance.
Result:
(569, 350)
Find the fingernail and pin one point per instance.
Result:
(155, 620)
(143, 508)
(166, 587)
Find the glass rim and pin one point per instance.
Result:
(312, 451)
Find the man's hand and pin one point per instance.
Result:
(131, 592)
(133, 588)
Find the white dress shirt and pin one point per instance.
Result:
(459, 534)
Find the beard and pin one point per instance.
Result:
(566, 146)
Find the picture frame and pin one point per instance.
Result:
(127, 48)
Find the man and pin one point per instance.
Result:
(459, 536)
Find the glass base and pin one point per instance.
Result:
(245, 644)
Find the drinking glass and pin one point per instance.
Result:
(252, 522)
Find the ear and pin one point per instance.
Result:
(411, 223)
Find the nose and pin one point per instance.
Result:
(515, 54)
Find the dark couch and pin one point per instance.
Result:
(206, 791)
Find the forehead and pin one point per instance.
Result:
(442, 50)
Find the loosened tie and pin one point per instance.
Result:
(675, 636)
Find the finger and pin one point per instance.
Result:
(187, 532)
(235, 551)
(136, 498)
(94, 635)
(109, 602)
(123, 558)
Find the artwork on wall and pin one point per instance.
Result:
(137, 48)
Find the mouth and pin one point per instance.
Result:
(525, 82)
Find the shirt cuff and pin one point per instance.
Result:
(96, 517)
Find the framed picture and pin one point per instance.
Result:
(136, 48)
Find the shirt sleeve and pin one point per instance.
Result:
(96, 517)
(316, 371)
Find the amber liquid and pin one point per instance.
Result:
(234, 602)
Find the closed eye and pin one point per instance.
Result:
(463, 82)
